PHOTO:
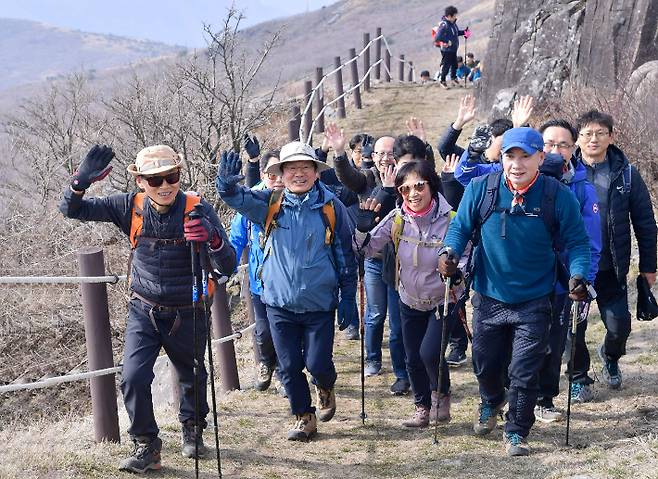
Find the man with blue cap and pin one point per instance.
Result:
(514, 277)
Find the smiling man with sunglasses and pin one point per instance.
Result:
(160, 313)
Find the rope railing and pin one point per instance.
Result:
(68, 378)
(312, 96)
(110, 279)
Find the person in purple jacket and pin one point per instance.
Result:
(417, 227)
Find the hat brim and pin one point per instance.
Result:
(132, 169)
(524, 146)
(275, 168)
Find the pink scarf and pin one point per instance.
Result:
(418, 214)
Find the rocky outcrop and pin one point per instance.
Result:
(539, 47)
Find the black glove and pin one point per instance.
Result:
(367, 146)
(251, 146)
(365, 220)
(228, 172)
(448, 262)
(481, 139)
(94, 167)
(578, 288)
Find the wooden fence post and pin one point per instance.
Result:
(378, 53)
(319, 97)
(366, 62)
(401, 71)
(339, 89)
(355, 79)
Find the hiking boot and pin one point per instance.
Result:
(278, 387)
(456, 358)
(444, 85)
(455, 83)
(263, 376)
(515, 445)
(421, 417)
(548, 414)
(372, 368)
(487, 416)
(326, 403)
(352, 333)
(305, 427)
(400, 387)
(187, 440)
(581, 393)
(145, 456)
(610, 372)
(443, 409)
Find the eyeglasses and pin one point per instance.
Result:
(418, 187)
(549, 145)
(156, 181)
(272, 176)
(587, 135)
(384, 154)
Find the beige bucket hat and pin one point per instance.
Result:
(155, 159)
(296, 151)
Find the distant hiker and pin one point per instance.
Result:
(470, 60)
(447, 39)
(514, 276)
(160, 312)
(462, 70)
(425, 77)
(307, 265)
(623, 200)
(245, 234)
(416, 228)
(361, 146)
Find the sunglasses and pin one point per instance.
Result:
(418, 187)
(156, 181)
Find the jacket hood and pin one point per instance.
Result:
(553, 166)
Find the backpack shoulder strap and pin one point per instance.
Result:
(551, 186)
(276, 198)
(192, 199)
(396, 229)
(329, 219)
(136, 219)
(490, 199)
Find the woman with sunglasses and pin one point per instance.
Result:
(160, 312)
(418, 226)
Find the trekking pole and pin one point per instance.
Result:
(572, 355)
(362, 334)
(465, 53)
(211, 364)
(444, 333)
(194, 254)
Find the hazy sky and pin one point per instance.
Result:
(170, 21)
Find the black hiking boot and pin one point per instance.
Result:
(145, 456)
(187, 440)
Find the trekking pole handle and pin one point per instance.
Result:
(591, 292)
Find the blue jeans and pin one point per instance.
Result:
(303, 341)
(142, 346)
(381, 297)
(510, 338)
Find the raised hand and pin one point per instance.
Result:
(251, 146)
(466, 112)
(228, 172)
(388, 179)
(335, 138)
(450, 164)
(522, 111)
(415, 127)
(94, 167)
(366, 215)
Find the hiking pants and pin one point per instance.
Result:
(263, 337)
(581, 356)
(145, 335)
(458, 338)
(303, 340)
(612, 299)
(549, 374)
(381, 297)
(448, 63)
(524, 327)
(421, 331)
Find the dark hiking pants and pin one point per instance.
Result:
(448, 64)
(612, 299)
(499, 328)
(144, 337)
(263, 337)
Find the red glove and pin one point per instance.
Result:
(200, 230)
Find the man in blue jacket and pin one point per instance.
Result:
(447, 38)
(307, 262)
(513, 280)
(245, 234)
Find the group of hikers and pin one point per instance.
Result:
(530, 218)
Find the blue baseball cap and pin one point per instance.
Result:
(528, 139)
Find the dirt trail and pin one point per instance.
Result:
(614, 435)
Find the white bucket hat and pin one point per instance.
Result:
(155, 159)
(296, 151)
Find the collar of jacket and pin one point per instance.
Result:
(316, 197)
(614, 155)
(442, 208)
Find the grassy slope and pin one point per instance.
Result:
(614, 435)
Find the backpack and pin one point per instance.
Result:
(137, 219)
(274, 208)
(435, 30)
